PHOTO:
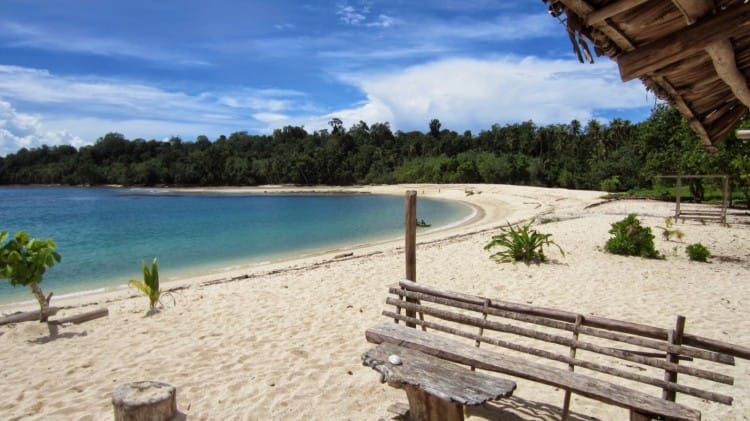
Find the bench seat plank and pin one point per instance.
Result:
(448, 349)
(440, 378)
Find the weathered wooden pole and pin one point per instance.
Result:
(725, 198)
(410, 245)
(678, 197)
(674, 337)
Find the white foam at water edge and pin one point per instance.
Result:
(474, 212)
(57, 297)
(81, 293)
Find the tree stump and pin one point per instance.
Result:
(144, 401)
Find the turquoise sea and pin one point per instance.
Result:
(103, 234)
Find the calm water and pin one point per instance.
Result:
(104, 234)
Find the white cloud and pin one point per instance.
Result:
(464, 93)
(349, 15)
(284, 26)
(126, 100)
(474, 94)
(383, 21)
(29, 36)
(271, 119)
(19, 130)
(77, 110)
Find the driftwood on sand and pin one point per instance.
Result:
(27, 316)
(83, 317)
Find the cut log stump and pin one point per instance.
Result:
(144, 401)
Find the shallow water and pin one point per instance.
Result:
(103, 234)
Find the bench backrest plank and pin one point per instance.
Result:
(458, 352)
(592, 321)
(451, 312)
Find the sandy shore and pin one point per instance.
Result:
(283, 340)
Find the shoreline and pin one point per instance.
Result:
(284, 340)
(235, 269)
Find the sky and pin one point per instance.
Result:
(73, 70)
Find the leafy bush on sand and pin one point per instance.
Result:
(23, 261)
(630, 238)
(521, 244)
(698, 252)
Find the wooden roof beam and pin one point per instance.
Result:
(723, 124)
(610, 10)
(682, 44)
(583, 9)
(685, 110)
(694, 9)
(722, 54)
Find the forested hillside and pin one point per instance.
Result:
(615, 156)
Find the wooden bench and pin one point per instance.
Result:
(435, 388)
(615, 359)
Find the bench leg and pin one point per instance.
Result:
(426, 407)
(637, 416)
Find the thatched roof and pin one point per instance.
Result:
(694, 54)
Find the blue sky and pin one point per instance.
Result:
(74, 70)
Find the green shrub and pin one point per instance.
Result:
(24, 260)
(521, 244)
(698, 252)
(611, 184)
(629, 238)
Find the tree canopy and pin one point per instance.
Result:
(573, 155)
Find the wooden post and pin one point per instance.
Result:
(426, 407)
(678, 196)
(410, 245)
(724, 198)
(675, 338)
(477, 342)
(571, 367)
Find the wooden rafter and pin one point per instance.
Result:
(691, 53)
(583, 9)
(682, 44)
(610, 10)
(684, 108)
(693, 9)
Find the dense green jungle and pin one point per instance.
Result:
(619, 156)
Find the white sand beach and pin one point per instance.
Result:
(282, 341)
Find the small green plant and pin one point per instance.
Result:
(698, 252)
(611, 184)
(629, 238)
(23, 261)
(667, 232)
(150, 285)
(521, 244)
